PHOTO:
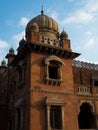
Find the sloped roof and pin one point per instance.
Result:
(82, 64)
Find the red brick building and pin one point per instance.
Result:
(42, 87)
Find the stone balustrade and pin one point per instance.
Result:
(83, 90)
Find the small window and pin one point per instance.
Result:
(55, 117)
(95, 83)
(53, 71)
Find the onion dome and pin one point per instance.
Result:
(46, 25)
(11, 51)
(63, 35)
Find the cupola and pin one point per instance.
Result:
(3, 63)
(63, 35)
(10, 56)
(46, 26)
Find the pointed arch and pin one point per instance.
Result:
(86, 117)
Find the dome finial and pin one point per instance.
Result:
(42, 11)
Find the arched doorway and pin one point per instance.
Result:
(86, 117)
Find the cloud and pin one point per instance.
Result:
(85, 14)
(54, 15)
(80, 16)
(88, 33)
(3, 49)
(17, 37)
(91, 41)
(92, 6)
(23, 21)
(3, 44)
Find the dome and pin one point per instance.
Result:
(63, 35)
(45, 24)
(35, 27)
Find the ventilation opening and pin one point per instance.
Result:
(86, 117)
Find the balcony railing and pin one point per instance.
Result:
(83, 90)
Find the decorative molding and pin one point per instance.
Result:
(55, 101)
(51, 91)
(53, 57)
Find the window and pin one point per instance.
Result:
(55, 113)
(95, 83)
(55, 117)
(95, 80)
(53, 70)
(18, 119)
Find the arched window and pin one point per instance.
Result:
(54, 70)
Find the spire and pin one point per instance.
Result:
(42, 11)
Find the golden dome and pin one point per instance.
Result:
(45, 24)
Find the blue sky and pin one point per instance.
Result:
(79, 18)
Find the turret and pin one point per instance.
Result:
(3, 66)
(10, 56)
(65, 40)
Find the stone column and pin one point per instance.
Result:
(63, 124)
(48, 117)
(47, 70)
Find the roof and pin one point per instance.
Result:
(82, 64)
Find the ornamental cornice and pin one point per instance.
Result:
(51, 91)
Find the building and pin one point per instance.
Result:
(43, 87)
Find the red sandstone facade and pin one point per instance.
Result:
(43, 87)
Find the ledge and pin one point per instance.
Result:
(55, 82)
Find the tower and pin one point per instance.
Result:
(42, 79)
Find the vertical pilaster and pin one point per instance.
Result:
(48, 118)
(63, 125)
(47, 71)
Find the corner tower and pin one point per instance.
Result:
(44, 93)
